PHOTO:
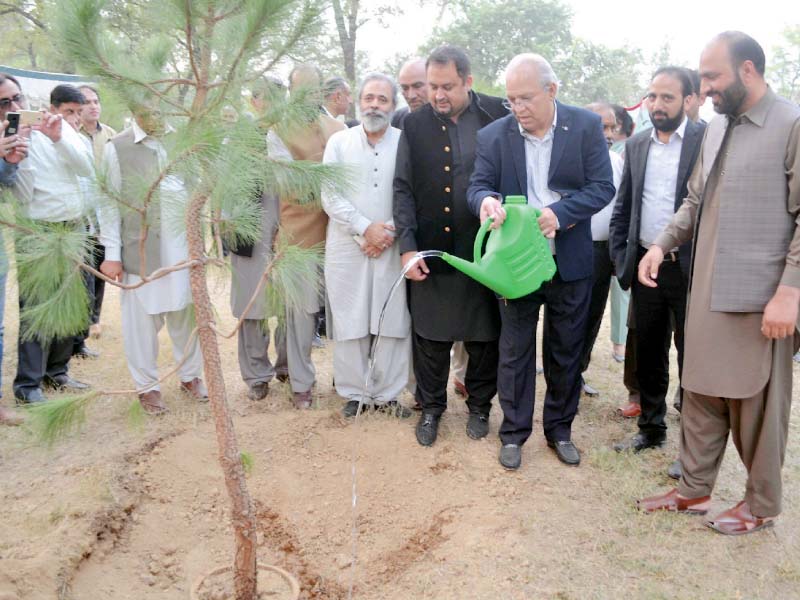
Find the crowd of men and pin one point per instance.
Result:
(699, 221)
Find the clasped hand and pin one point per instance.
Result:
(378, 238)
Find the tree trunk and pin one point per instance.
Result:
(242, 515)
(347, 37)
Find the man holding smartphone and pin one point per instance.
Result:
(13, 148)
(48, 190)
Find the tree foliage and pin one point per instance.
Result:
(493, 32)
(784, 70)
(197, 59)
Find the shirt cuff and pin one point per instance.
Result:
(113, 253)
(666, 242)
(360, 224)
(791, 276)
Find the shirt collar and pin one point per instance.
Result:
(550, 132)
(139, 133)
(758, 113)
(680, 131)
(365, 140)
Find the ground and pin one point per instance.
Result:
(123, 511)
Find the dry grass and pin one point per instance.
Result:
(547, 531)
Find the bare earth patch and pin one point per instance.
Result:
(120, 512)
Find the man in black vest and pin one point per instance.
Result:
(434, 162)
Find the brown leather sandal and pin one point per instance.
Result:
(739, 521)
(672, 502)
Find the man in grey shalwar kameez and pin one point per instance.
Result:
(248, 264)
(361, 262)
(742, 321)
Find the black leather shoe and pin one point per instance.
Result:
(258, 391)
(394, 408)
(675, 470)
(677, 404)
(65, 382)
(638, 443)
(511, 456)
(477, 426)
(29, 396)
(85, 352)
(427, 429)
(566, 452)
(350, 409)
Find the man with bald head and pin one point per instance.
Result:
(742, 213)
(414, 86)
(557, 156)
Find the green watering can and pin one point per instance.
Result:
(517, 260)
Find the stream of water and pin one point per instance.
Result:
(365, 397)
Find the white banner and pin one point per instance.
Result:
(36, 85)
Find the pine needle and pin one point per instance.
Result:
(247, 462)
(294, 271)
(136, 415)
(56, 419)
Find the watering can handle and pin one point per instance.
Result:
(482, 232)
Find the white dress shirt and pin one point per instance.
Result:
(602, 220)
(48, 180)
(660, 181)
(537, 167)
(172, 292)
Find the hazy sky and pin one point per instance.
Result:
(687, 25)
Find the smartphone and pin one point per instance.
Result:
(13, 123)
(30, 117)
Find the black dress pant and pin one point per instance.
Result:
(655, 310)
(566, 311)
(98, 288)
(36, 358)
(89, 281)
(601, 284)
(432, 367)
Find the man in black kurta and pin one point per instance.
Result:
(434, 163)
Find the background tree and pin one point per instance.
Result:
(785, 65)
(198, 60)
(493, 32)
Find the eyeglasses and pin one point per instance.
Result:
(522, 102)
(5, 103)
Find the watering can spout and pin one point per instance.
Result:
(517, 258)
(473, 270)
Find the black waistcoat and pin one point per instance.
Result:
(444, 221)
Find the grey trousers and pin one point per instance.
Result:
(759, 426)
(254, 363)
(301, 325)
(389, 376)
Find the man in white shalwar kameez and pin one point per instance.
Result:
(361, 262)
(134, 156)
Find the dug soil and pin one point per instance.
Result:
(127, 511)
